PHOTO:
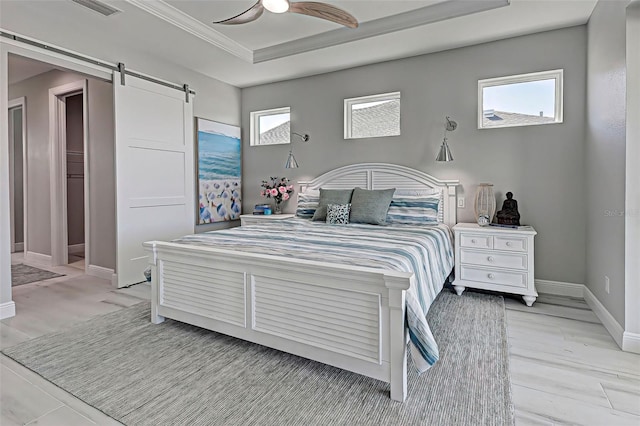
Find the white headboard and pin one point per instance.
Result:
(382, 176)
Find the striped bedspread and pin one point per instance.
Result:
(424, 250)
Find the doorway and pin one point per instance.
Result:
(17, 173)
(69, 186)
(75, 180)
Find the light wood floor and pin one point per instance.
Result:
(565, 368)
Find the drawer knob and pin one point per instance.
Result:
(491, 276)
(490, 258)
(473, 241)
(508, 243)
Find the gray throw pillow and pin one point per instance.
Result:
(370, 206)
(331, 196)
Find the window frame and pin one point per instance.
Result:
(254, 125)
(349, 102)
(557, 74)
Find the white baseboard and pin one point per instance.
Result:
(609, 322)
(7, 310)
(559, 288)
(76, 248)
(38, 258)
(631, 342)
(19, 247)
(99, 271)
(114, 280)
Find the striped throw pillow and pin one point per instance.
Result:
(307, 204)
(415, 209)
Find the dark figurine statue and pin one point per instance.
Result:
(509, 214)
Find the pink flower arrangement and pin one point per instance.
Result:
(276, 188)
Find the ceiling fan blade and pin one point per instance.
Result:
(324, 11)
(249, 15)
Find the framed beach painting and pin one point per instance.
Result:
(219, 172)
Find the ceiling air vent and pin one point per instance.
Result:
(95, 5)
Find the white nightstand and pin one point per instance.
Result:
(493, 258)
(253, 219)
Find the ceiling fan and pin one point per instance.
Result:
(310, 8)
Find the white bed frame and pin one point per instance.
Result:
(346, 316)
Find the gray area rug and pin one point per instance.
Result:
(25, 274)
(176, 374)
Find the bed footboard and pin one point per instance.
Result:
(349, 317)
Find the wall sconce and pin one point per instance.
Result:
(445, 152)
(291, 160)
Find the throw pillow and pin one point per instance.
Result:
(331, 196)
(410, 210)
(370, 206)
(338, 214)
(307, 204)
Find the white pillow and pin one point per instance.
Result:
(307, 203)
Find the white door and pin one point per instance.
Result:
(154, 171)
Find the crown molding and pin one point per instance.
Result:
(414, 18)
(176, 17)
(444, 10)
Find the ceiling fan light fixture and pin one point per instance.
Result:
(276, 6)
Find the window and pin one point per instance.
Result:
(372, 116)
(270, 127)
(520, 100)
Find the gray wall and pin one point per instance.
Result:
(605, 154)
(542, 165)
(75, 169)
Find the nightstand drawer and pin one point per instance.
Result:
(488, 258)
(510, 243)
(476, 241)
(494, 276)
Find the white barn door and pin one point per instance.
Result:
(154, 171)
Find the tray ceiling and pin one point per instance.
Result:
(280, 47)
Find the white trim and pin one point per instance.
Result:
(628, 342)
(100, 272)
(557, 75)
(7, 310)
(609, 322)
(114, 280)
(22, 103)
(632, 177)
(434, 13)
(76, 248)
(187, 23)
(254, 125)
(559, 288)
(81, 66)
(12, 199)
(348, 112)
(37, 258)
(631, 342)
(58, 166)
(87, 175)
(440, 11)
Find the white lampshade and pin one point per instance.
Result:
(276, 6)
